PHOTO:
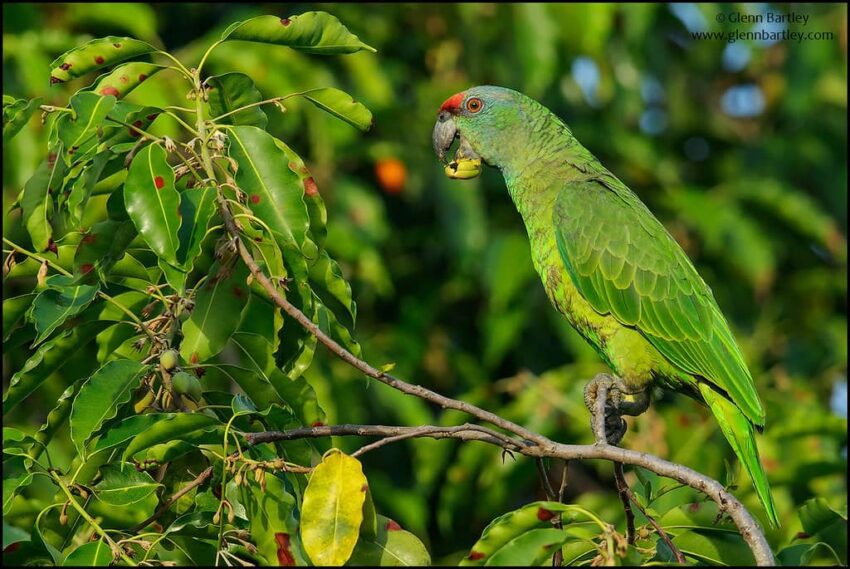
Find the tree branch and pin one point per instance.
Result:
(534, 445)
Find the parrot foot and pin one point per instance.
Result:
(620, 401)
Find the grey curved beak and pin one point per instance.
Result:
(445, 132)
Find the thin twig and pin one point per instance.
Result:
(623, 491)
(200, 479)
(680, 559)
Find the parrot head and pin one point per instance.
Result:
(484, 120)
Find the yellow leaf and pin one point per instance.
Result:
(332, 510)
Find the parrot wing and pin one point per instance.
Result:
(625, 263)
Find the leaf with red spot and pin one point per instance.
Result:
(82, 187)
(37, 199)
(315, 204)
(275, 194)
(231, 91)
(115, 133)
(525, 536)
(217, 313)
(78, 130)
(332, 509)
(271, 518)
(124, 78)
(390, 547)
(153, 202)
(341, 105)
(310, 32)
(102, 247)
(94, 55)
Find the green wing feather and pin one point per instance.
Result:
(624, 263)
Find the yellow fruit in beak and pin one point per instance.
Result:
(464, 168)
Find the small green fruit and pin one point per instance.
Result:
(168, 359)
(187, 384)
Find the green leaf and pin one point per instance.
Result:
(16, 476)
(332, 509)
(390, 547)
(93, 554)
(16, 115)
(37, 199)
(57, 416)
(801, 554)
(13, 310)
(341, 105)
(332, 288)
(153, 202)
(12, 534)
(129, 428)
(259, 369)
(49, 357)
(715, 548)
(78, 130)
(101, 248)
(231, 91)
(217, 313)
(115, 134)
(58, 302)
(100, 398)
(818, 519)
(197, 206)
(529, 549)
(124, 485)
(95, 55)
(272, 522)
(502, 531)
(274, 193)
(174, 427)
(82, 188)
(311, 32)
(315, 205)
(124, 78)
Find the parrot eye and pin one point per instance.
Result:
(474, 105)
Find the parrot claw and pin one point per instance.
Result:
(616, 405)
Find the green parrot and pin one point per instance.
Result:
(607, 264)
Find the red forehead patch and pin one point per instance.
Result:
(452, 104)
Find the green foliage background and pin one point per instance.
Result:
(441, 269)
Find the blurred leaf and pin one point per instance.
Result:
(311, 32)
(100, 398)
(332, 510)
(137, 18)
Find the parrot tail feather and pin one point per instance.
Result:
(738, 430)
